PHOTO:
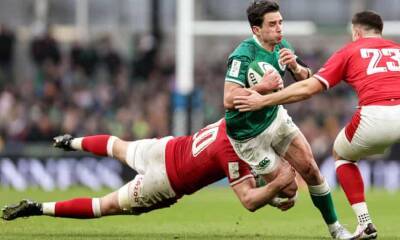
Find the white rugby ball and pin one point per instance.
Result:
(256, 72)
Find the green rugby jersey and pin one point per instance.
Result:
(244, 125)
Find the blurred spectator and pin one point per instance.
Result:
(109, 56)
(145, 57)
(83, 59)
(7, 42)
(45, 49)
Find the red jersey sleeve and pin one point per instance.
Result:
(334, 70)
(237, 171)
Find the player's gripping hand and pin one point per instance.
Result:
(251, 102)
(272, 80)
(286, 174)
(287, 57)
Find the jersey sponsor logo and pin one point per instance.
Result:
(137, 190)
(235, 68)
(252, 78)
(263, 164)
(233, 168)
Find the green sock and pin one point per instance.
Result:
(322, 199)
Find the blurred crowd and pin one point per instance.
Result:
(92, 88)
(83, 88)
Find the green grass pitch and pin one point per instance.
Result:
(213, 213)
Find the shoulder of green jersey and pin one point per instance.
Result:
(245, 50)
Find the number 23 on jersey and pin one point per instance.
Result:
(376, 65)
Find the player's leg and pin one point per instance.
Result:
(141, 195)
(100, 145)
(290, 143)
(132, 198)
(85, 207)
(73, 208)
(352, 183)
(299, 155)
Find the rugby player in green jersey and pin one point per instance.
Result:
(264, 137)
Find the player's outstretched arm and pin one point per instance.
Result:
(253, 197)
(230, 91)
(294, 93)
(270, 82)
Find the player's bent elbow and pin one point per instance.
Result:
(250, 207)
(249, 204)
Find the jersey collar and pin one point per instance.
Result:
(258, 43)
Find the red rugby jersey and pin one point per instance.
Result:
(371, 66)
(196, 161)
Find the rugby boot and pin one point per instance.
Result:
(63, 142)
(25, 208)
(366, 231)
(341, 232)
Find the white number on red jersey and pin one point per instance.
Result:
(376, 56)
(203, 138)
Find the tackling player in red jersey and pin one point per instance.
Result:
(168, 168)
(371, 66)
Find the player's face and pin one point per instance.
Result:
(270, 31)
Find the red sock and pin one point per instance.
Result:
(352, 183)
(76, 208)
(96, 144)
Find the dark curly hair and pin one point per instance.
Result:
(369, 20)
(257, 10)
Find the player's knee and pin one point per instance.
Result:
(130, 195)
(108, 208)
(249, 204)
(335, 154)
(119, 149)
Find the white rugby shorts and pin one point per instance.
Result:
(264, 151)
(371, 131)
(147, 157)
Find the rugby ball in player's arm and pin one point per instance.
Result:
(277, 201)
(255, 75)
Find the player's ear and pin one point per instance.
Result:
(356, 32)
(255, 30)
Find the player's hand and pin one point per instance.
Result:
(250, 102)
(287, 174)
(287, 57)
(272, 80)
